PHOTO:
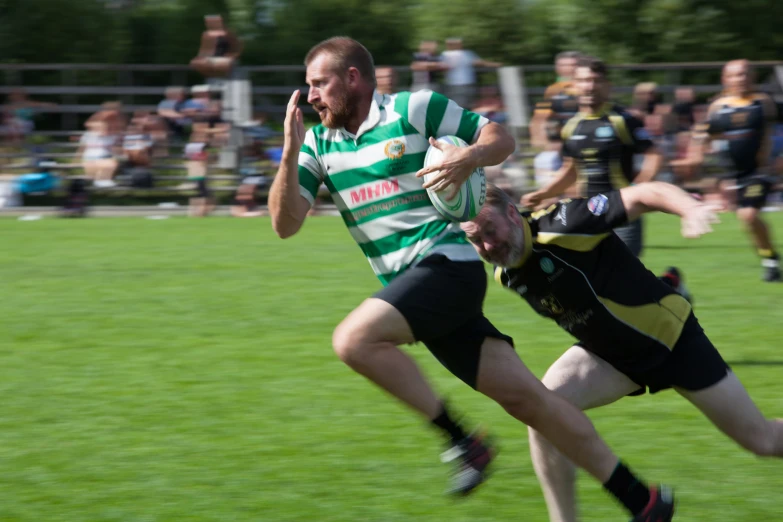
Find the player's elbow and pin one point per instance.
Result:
(504, 141)
(283, 228)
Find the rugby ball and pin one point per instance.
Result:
(470, 198)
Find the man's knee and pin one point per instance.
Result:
(347, 340)
(525, 404)
(567, 385)
(747, 215)
(760, 440)
(505, 379)
(373, 324)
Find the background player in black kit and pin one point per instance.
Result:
(745, 119)
(599, 144)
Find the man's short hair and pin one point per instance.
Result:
(498, 199)
(575, 55)
(593, 64)
(346, 53)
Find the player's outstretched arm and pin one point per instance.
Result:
(287, 206)
(697, 217)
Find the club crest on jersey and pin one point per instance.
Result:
(394, 149)
(598, 205)
(547, 265)
(604, 132)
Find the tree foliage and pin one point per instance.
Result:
(281, 31)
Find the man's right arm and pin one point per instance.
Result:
(287, 206)
(663, 197)
(564, 178)
(604, 212)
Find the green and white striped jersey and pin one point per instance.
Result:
(372, 178)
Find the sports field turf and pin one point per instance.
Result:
(181, 370)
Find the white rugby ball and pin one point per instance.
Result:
(470, 198)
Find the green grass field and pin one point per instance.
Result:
(182, 370)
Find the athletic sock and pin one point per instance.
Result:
(628, 489)
(448, 426)
(769, 257)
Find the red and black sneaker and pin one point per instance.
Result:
(673, 277)
(660, 508)
(472, 456)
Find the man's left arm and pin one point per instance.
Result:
(435, 116)
(641, 142)
(493, 146)
(770, 118)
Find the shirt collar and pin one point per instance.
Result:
(528, 242)
(600, 113)
(373, 118)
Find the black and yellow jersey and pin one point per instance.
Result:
(746, 124)
(560, 102)
(603, 146)
(576, 271)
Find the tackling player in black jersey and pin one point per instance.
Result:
(633, 332)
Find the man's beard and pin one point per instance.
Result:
(511, 254)
(340, 112)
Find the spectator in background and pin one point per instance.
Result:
(245, 204)
(111, 114)
(137, 145)
(386, 80)
(170, 109)
(197, 159)
(684, 102)
(201, 107)
(99, 150)
(461, 73)
(645, 99)
(155, 127)
(660, 130)
(219, 51)
(19, 122)
(137, 148)
(490, 104)
(427, 67)
(683, 116)
(547, 163)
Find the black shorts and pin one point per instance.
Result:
(694, 364)
(753, 191)
(442, 300)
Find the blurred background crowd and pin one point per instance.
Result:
(129, 102)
